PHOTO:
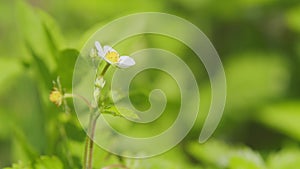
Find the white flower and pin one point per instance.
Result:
(111, 56)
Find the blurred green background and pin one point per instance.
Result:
(258, 42)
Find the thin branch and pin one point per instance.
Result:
(67, 95)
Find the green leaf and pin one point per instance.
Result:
(286, 158)
(246, 159)
(11, 68)
(33, 31)
(48, 163)
(41, 68)
(224, 156)
(52, 46)
(74, 132)
(253, 80)
(5, 123)
(121, 112)
(212, 153)
(174, 159)
(26, 148)
(283, 117)
(42, 39)
(53, 34)
(44, 162)
(66, 62)
(293, 18)
(19, 165)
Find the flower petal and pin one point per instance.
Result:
(99, 49)
(108, 61)
(108, 49)
(125, 62)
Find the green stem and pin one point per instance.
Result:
(67, 95)
(104, 69)
(89, 144)
(90, 140)
(86, 151)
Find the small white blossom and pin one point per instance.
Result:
(100, 82)
(112, 57)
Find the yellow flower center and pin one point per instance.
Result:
(112, 57)
(56, 97)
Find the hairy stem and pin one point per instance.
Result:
(86, 152)
(89, 144)
(91, 140)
